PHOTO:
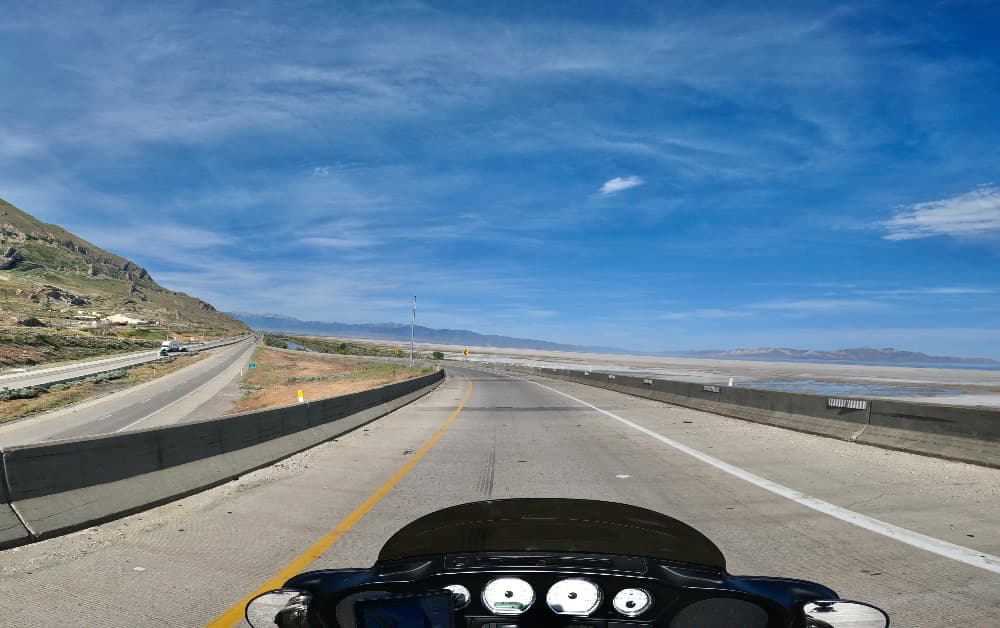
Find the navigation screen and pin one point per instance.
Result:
(423, 610)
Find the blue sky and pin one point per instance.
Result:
(653, 176)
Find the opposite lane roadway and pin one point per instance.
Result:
(493, 436)
(79, 369)
(169, 399)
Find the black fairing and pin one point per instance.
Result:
(552, 525)
(444, 549)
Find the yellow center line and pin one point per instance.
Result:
(234, 613)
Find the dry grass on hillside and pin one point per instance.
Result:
(280, 374)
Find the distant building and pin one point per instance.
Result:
(121, 319)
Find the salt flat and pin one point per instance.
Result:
(977, 387)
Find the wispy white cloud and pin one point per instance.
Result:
(619, 184)
(520, 312)
(162, 240)
(342, 243)
(704, 314)
(969, 215)
(938, 291)
(16, 146)
(817, 306)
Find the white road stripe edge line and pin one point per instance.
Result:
(199, 387)
(962, 554)
(155, 412)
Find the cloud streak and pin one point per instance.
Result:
(620, 184)
(975, 214)
(821, 306)
(704, 314)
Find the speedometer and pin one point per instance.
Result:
(574, 596)
(508, 596)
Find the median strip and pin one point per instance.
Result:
(60, 486)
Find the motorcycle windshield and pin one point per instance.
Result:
(552, 525)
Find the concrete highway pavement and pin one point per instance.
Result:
(84, 368)
(483, 435)
(172, 398)
(75, 370)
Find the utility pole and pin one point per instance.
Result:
(413, 322)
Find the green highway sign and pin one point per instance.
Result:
(252, 365)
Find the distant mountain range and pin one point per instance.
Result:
(461, 337)
(859, 354)
(401, 332)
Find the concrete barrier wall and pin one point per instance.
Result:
(57, 487)
(957, 433)
(952, 432)
(12, 531)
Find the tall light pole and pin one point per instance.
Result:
(413, 322)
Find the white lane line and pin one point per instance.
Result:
(155, 412)
(106, 416)
(962, 554)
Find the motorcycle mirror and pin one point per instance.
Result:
(281, 608)
(843, 614)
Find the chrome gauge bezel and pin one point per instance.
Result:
(595, 592)
(619, 605)
(520, 582)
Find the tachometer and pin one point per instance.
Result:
(574, 596)
(508, 596)
(632, 602)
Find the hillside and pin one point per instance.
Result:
(400, 332)
(52, 279)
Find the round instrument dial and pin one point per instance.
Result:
(632, 602)
(460, 596)
(574, 596)
(508, 596)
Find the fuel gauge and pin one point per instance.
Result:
(632, 602)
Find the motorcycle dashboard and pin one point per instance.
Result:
(494, 591)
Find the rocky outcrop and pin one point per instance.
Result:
(52, 294)
(10, 259)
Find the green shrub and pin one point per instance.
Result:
(272, 340)
(144, 333)
(438, 355)
(109, 376)
(9, 394)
